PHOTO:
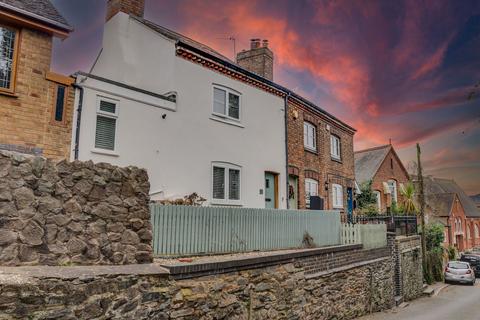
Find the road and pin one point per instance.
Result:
(456, 302)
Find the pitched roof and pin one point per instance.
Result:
(438, 185)
(440, 204)
(209, 51)
(41, 10)
(368, 161)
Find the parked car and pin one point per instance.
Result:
(459, 271)
(474, 260)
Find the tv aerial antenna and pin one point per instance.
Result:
(234, 43)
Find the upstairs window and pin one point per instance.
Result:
(8, 56)
(379, 200)
(392, 185)
(60, 101)
(107, 116)
(309, 136)
(226, 183)
(226, 103)
(311, 189)
(335, 147)
(337, 196)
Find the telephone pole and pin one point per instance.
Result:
(421, 200)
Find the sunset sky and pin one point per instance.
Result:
(399, 70)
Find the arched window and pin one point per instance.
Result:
(468, 231)
(379, 199)
(477, 234)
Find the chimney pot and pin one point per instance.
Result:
(265, 43)
(254, 43)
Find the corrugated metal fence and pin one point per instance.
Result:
(370, 235)
(187, 230)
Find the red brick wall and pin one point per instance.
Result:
(385, 173)
(308, 164)
(134, 7)
(26, 118)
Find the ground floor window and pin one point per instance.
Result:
(337, 196)
(311, 189)
(226, 183)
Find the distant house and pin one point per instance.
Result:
(383, 167)
(199, 122)
(448, 204)
(36, 105)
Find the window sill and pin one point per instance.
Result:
(105, 152)
(339, 160)
(315, 152)
(8, 94)
(227, 121)
(225, 204)
(337, 208)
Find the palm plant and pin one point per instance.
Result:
(408, 193)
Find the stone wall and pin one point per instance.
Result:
(282, 290)
(407, 255)
(62, 213)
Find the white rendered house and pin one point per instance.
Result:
(197, 123)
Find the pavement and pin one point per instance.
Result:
(452, 302)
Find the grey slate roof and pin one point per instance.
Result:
(437, 186)
(368, 161)
(42, 10)
(440, 204)
(179, 37)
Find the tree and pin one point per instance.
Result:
(408, 193)
(367, 200)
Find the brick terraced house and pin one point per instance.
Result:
(36, 105)
(155, 97)
(449, 205)
(383, 167)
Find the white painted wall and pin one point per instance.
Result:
(178, 151)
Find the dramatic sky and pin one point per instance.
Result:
(399, 70)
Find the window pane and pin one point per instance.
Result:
(107, 106)
(218, 183)
(234, 184)
(219, 99)
(7, 41)
(233, 106)
(105, 133)
(59, 104)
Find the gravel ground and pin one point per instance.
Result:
(221, 257)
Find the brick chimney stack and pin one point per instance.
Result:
(131, 7)
(259, 59)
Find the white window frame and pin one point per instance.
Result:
(393, 191)
(335, 147)
(228, 91)
(337, 196)
(309, 189)
(107, 115)
(306, 131)
(226, 201)
(378, 195)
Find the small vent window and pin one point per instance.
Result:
(60, 103)
(106, 124)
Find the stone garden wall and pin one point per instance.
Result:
(275, 287)
(72, 213)
(409, 250)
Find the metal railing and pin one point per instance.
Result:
(190, 230)
(400, 224)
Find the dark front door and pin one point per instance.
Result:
(349, 204)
